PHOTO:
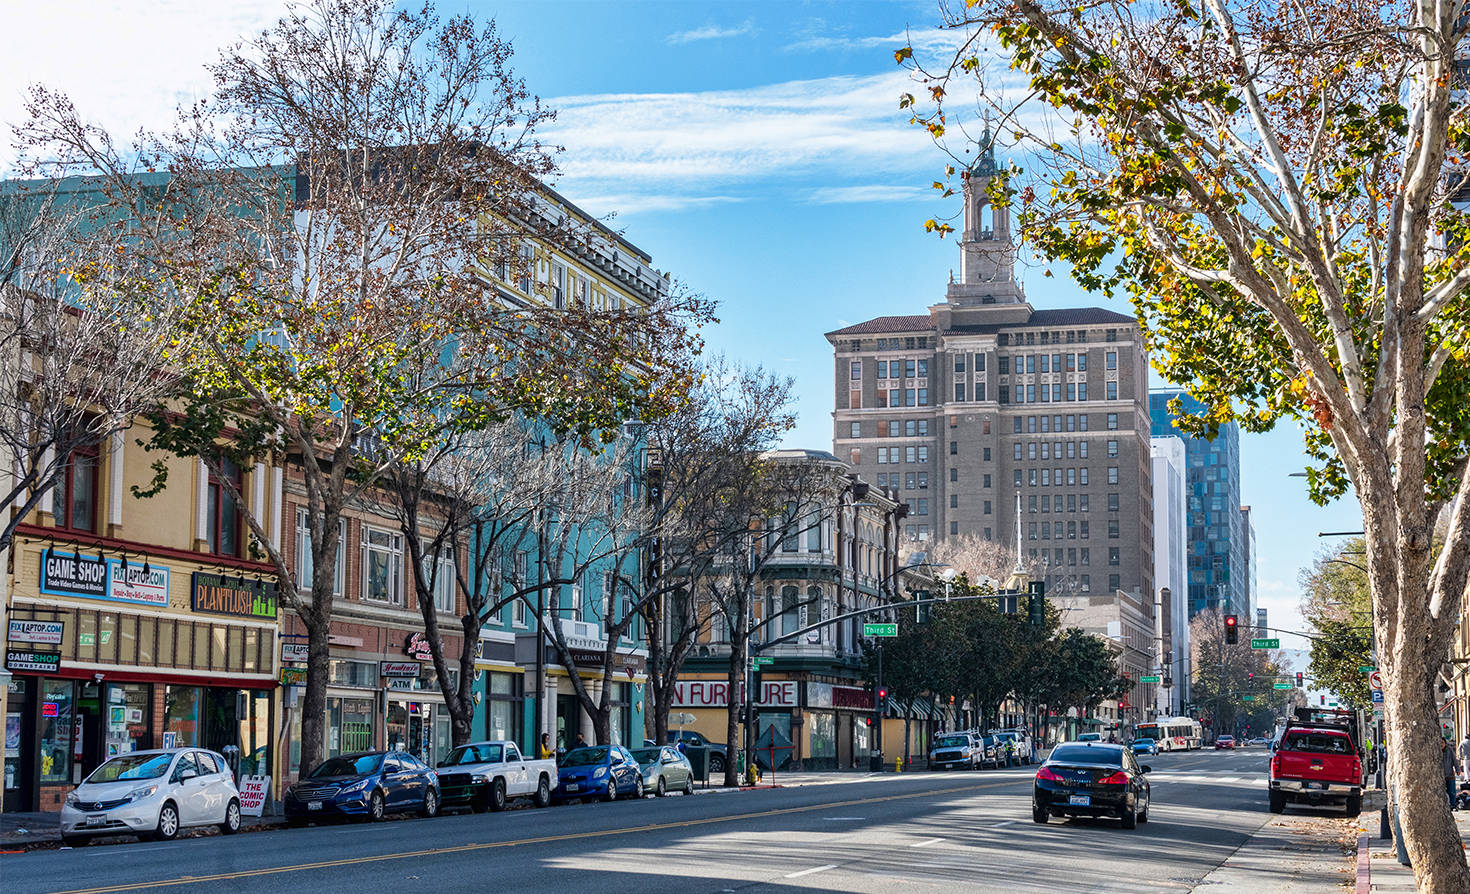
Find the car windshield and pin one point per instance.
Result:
(585, 757)
(1082, 754)
(474, 754)
(648, 755)
(1090, 737)
(132, 766)
(953, 742)
(1316, 743)
(349, 765)
(1227, 738)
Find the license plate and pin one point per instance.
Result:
(95, 819)
(571, 786)
(1080, 800)
(1321, 785)
(313, 805)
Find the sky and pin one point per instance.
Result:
(755, 149)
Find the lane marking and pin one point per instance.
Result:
(926, 843)
(496, 845)
(810, 871)
(1006, 823)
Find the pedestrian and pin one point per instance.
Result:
(1447, 758)
(580, 743)
(1465, 757)
(545, 752)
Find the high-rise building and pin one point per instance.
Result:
(1171, 535)
(983, 398)
(1218, 559)
(1252, 571)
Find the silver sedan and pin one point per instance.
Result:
(664, 770)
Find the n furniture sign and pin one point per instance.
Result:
(716, 694)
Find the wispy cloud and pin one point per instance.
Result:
(923, 40)
(711, 32)
(873, 192)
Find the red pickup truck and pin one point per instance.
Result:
(1316, 765)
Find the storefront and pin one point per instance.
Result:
(564, 717)
(118, 655)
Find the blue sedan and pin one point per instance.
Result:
(369, 785)
(599, 771)
(1145, 746)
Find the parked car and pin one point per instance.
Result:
(956, 751)
(664, 770)
(1315, 765)
(1091, 779)
(678, 737)
(599, 771)
(1224, 742)
(1089, 737)
(487, 775)
(152, 794)
(371, 785)
(991, 751)
(1145, 746)
(1020, 751)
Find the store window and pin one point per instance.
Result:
(127, 719)
(503, 710)
(349, 725)
(181, 706)
(382, 566)
(74, 497)
(55, 726)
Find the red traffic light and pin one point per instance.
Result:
(883, 692)
(1250, 675)
(1230, 620)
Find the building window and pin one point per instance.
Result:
(1084, 502)
(1112, 474)
(959, 363)
(1018, 478)
(923, 454)
(1084, 532)
(954, 527)
(987, 477)
(857, 371)
(954, 474)
(909, 481)
(443, 574)
(959, 392)
(954, 501)
(1031, 477)
(923, 480)
(1115, 582)
(1003, 365)
(1082, 476)
(980, 363)
(1112, 391)
(882, 369)
(224, 511)
(1082, 422)
(1112, 529)
(1086, 584)
(1112, 422)
(1086, 556)
(909, 369)
(74, 496)
(923, 508)
(1082, 392)
(382, 566)
(1082, 449)
(304, 568)
(923, 369)
(1112, 360)
(1016, 450)
(987, 507)
(1112, 502)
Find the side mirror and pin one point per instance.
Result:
(186, 775)
(1146, 768)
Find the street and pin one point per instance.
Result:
(910, 832)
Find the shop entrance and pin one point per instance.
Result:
(20, 726)
(412, 728)
(568, 721)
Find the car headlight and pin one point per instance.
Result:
(72, 800)
(479, 779)
(599, 772)
(357, 786)
(140, 793)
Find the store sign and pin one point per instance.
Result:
(716, 694)
(239, 596)
(49, 709)
(417, 646)
(294, 651)
(253, 790)
(293, 676)
(33, 662)
(399, 668)
(49, 632)
(78, 574)
(133, 584)
(852, 697)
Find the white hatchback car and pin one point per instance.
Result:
(152, 794)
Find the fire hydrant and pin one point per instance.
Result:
(898, 765)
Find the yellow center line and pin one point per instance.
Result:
(490, 845)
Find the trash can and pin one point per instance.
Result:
(698, 761)
(876, 762)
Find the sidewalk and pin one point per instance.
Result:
(1291, 854)
(1385, 874)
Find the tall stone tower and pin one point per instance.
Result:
(987, 256)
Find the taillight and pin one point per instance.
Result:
(1275, 765)
(1357, 768)
(1048, 775)
(1118, 778)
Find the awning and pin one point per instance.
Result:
(1092, 721)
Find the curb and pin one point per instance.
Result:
(1365, 868)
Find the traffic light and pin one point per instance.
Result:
(1250, 676)
(868, 721)
(1036, 610)
(1232, 633)
(1323, 698)
(1298, 679)
(882, 694)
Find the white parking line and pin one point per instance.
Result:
(926, 842)
(812, 870)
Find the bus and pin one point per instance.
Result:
(1171, 733)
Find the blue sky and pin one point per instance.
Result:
(755, 149)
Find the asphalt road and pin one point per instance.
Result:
(914, 832)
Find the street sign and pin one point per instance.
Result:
(760, 660)
(1272, 643)
(1280, 685)
(1247, 698)
(880, 630)
(1366, 668)
(1151, 678)
(1378, 696)
(1375, 680)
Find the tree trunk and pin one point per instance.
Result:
(314, 704)
(735, 677)
(908, 725)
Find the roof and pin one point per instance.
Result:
(1065, 316)
(801, 453)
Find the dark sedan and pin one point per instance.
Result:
(369, 785)
(1091, 779)
(599, 771)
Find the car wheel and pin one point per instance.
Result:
(497, 795)
(1277, 802)
(431, 803)
(1039, 814)
(638, 787)
(543, 793)
(231, 825)
(1354, 805)
(376, 807)
(716, 764)
(689, 784)
(168, 822)
(612, 790)
(662, 788)
(1130, 819)
(1143, 817)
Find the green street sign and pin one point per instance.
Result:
(1247, 698)
(1280, 685)
(1366, 668)
(880, 630)
(760, 660)
(1272, 643)
(1151, 678)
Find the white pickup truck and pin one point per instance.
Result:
(486, 775)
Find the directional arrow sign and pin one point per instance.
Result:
(1152, 678)
(1280, 685)
(1272, 643)
(880, 630)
